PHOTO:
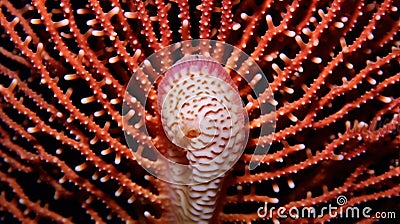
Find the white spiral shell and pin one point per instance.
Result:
(202, 113)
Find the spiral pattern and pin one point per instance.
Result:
(341, 200)
(202, 113)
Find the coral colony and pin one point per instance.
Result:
(155, 112)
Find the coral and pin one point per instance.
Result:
(333, 68)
